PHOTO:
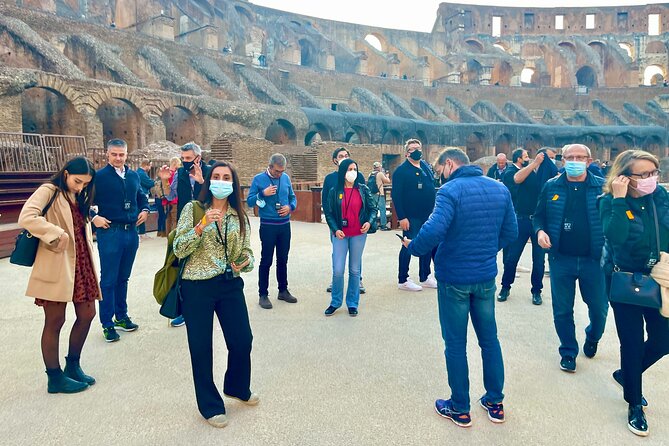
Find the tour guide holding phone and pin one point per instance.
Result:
(188, 179)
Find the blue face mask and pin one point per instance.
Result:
(220, 189)
(574, 168)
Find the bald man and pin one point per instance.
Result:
(496, 171)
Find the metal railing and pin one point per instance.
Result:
(31, 152)
(98, 157)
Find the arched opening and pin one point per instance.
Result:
(568, 46)
(392, 137)
(474, 46)
(422, 137)
(474, 146)
(121, 119)
(629, 49)
(600, 47)
(503, 144)
(620, 144)
(653, 75)
(502, 74)
(317, 133)
(655, 47)
(308, 54)
(654, 145)
(46, 111)
(245, 13)
(281, 131)
(473, 73)
(356, 135)
(375, 41)
(533, 143)
(527, 77)
(180, 125)
(586, 76)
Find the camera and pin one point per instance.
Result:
(277, 206)
(227, 274)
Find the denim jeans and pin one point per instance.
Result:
(405, 257)
(162, 217)
(565, 271)
(117, 249)
(273, 236)
(456, 304)
(515, 250)
(353, 246)
(381, 204)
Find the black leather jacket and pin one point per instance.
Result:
(332, 208)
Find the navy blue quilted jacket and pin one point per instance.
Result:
(551, 206)
(473, 219)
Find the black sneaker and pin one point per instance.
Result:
(264, 302)
(536, 299)
(329, 311)
(503, 294)
(445, 409)
(329, 289)
(353, 312)
(286, 297)
(125, 324)
(618, 377)
(110, 334)
(590, 349)
(568, 364)
(636, 421)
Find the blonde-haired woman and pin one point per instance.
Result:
(629, 208)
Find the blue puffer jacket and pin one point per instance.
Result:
(473, 219)
(551, 206)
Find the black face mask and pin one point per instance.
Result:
(525, 163)
(416, 155)
(188, 165)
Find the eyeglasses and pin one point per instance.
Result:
(652, 173)
(575, 158)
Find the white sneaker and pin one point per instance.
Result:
(430, 282)
(409, 285)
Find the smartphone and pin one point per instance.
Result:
(400, 237)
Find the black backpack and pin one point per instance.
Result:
(371, 183)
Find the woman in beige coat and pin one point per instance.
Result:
(64, 270)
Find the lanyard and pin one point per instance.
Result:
(347, 203)
(278, 183)
(225, 243)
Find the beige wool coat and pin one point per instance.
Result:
(52, 276)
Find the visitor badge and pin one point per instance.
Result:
(629, 215)
(341, 196)
(555, 197)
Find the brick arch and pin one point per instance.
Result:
(178, 101)
(60, 86)
(125, 94)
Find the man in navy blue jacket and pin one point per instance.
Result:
(473, 219)
(413, 198)
(272, 192)
(567, 223)
(122, 206)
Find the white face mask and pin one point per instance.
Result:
(351, 175)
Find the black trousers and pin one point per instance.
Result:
(636, 356)
(273, 236)
(201, 300)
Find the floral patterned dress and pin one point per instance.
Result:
(85, 281)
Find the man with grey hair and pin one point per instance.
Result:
(188, 179)
(272, 192)
(496, 171)
(568, 225)
(473, 218)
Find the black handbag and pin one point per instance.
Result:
(637, 288)
(25, 249)
(171, 307)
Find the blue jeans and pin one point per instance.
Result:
(117, 254)
(381, 204)
(353, 246)
(456, 304)
(565, 271)
(515, 250)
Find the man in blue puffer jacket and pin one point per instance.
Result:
(473, 219)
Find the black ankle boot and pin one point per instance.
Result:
(636, 420)
(73, 371)
(59, 383)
